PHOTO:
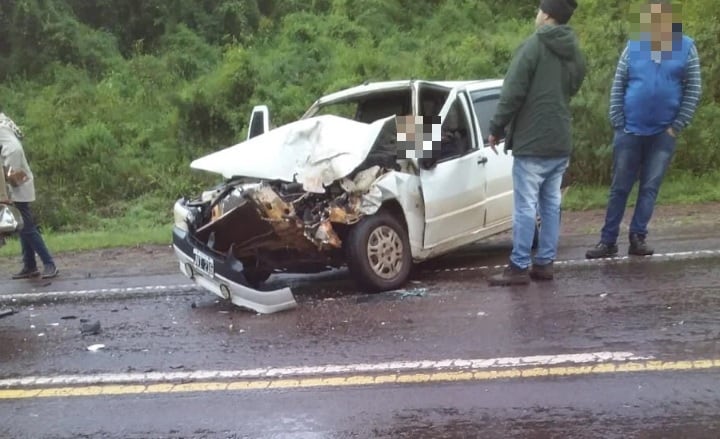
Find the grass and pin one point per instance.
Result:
(96, 240)
(145, 222)
(676, 190)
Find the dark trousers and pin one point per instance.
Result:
(31, 241)
(636, 158)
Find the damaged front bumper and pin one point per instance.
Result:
(223, 276)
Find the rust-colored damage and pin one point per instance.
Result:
(340, 215)
(326, 235)
(270, 218)
(290, 227)
(281, 216)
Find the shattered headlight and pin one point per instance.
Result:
(181, 215)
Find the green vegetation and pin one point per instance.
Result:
(95, 240)
(117, 97)
(677, 189)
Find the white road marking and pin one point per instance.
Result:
(319, 371)
(105, 292)
(590, 262)
(191, 288)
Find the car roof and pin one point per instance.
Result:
(373, 87)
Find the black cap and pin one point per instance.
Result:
(560, 10)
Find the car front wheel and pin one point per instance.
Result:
(378, 253)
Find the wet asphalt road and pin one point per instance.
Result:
(665, 309)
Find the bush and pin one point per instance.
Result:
(118, 98)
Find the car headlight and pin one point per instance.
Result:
(181, 215)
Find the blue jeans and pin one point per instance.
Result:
(636, 157)
(536, 183)
(31, 241)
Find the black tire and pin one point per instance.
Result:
(382, 225)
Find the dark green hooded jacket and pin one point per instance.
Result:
(546, 71)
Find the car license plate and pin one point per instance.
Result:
(204, 263)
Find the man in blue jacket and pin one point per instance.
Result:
(654, 96)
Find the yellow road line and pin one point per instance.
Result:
(362, 380)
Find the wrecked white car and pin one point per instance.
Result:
(352, 183)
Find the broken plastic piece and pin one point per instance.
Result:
(420, 292)
(90, 329)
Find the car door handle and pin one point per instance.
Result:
(482, 160)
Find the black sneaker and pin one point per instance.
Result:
(602, 251)
(49, 272)
(26, 273)
(511, 276)
(542, 272)
(638, 246)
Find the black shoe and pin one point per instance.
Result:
(26, 273)
(542, 272)
(49, 272)
(602, 251)
(638, 246)
(511, 276)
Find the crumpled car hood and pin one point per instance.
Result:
(314, 152)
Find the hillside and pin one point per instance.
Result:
(116, 97)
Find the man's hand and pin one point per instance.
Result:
(672, 132)
(493, 141)
(16, 177)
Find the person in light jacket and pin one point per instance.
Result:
(21, 183)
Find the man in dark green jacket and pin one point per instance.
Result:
(546, 72)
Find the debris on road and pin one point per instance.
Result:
(6, 312)
(96, 347)
(417, 292)
(90, 328)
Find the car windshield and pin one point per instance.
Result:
(370, 108)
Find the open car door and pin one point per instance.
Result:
(454, 184)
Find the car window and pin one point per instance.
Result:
(368, 109)
(455, 132)
(485, 105)
(342, 109)
(431, 100)
(385, 105)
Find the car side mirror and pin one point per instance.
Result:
(259, 121)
